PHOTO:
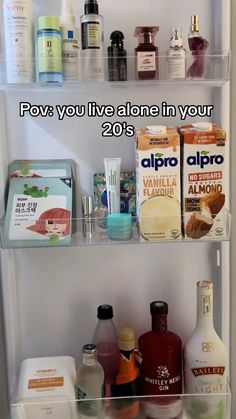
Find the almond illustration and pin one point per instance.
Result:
(198, 226)
(214, 202)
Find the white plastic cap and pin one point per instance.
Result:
(203, 126)
(156, 129)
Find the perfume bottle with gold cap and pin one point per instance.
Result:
(198, 45)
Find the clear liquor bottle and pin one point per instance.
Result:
(205, 358)
(90, 383)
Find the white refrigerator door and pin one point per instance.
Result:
(48, 293)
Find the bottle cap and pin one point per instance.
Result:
(194, 23)
(91, 7)
(48, 22)
(117, 38)
(67, 17)
(159, 307)
(89, 349)
(105, 312)
(205, 284)
(203, 126)
(176, 38)
(126, 339)
(156, 129)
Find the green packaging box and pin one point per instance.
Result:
(40, 168)
(39, 212)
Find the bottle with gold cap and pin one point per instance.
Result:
(198, 45)
(126, 380)
(128, 375)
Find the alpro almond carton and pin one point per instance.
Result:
(204, 180)
(158, 183)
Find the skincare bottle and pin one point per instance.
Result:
(87, 211)
(117, 58)
(146, 53)
(18, 25)
(198, 45)
(105, 339)
(70, 42)
(176, 56)
(92, 60)
(49, 50)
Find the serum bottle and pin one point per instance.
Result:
(176, 56)
(92, 62)
(146, 53)
(117, 58)
(70, 42)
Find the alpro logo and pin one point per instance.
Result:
(157, 161)
(203, 158)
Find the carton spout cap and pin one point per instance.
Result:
(156, 129)
(203, 126)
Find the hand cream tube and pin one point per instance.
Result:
(112, 172)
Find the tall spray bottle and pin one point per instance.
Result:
(18, 26)
(70, 42)
(92, 52)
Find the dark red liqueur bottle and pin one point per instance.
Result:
(161, 367)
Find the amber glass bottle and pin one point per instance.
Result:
(146, 53)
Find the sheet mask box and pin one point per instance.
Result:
(204, 181)
(40, 168)
(158, 183)
(38, 212)
(47, 389)
(127, 196)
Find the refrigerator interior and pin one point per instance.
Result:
(50, 295)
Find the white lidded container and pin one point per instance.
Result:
(47, 388)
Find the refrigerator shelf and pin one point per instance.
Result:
(216, 74)
(101, 236)
(183, 406)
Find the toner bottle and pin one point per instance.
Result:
(92, 48)
(18, 25)
(70, 43)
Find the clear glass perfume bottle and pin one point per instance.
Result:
(198, 45)
(176, 56)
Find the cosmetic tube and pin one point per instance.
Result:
(112, 171)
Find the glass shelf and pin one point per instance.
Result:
(197, 406)
(216, 73)
(98, 234)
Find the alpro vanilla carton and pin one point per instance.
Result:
(204, 180)
(158, 183)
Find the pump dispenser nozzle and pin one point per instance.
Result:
(67, 17)
(91, 7)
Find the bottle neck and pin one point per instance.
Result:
(159, 323)
(146, 38)
(205, 308)
(89, 359)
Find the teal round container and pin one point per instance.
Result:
(119, 227)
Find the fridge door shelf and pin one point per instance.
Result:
(96, 231)
(185, 406)
(216, 72)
